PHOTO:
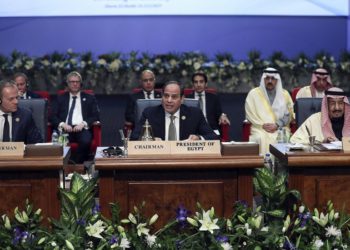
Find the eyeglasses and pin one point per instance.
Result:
(74, 81)
(148, 80)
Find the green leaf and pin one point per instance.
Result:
(277, 213)
(77, 183)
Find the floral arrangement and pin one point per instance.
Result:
(115, 72)
(281, 224)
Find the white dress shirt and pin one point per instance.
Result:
(151, 95)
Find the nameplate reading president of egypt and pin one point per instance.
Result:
(12, 149)
(151, 148)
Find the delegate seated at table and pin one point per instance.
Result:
(173, 121)
(331, 124)
(16, 124)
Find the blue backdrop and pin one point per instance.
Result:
(161, 34)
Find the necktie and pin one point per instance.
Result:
(70, 114)
(6, 133)
(200, 100)
(148, 94)
(172, 129)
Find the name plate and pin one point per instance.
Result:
(153, 148)
(12, 149)
(148, 148)
(196, 148)
(346, 144)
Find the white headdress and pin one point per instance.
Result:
(279, 106)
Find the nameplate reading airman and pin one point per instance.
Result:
(209, 148)
(148, 148)
(346, 144)
(12, 149)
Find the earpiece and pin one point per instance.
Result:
(0, 101)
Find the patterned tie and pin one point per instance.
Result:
(70, 114)
(172, 129)
(6, 133)
(200, 99)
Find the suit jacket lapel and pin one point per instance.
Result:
(82, 104)
(15, 122)
(183, 121)
(161, 122)
(66, 104)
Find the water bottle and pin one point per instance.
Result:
(268, 161)
(54, 137)
(280, 135)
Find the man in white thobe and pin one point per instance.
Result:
(268, 108)
(331, 124)
(320, 81)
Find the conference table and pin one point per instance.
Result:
(318, 175)
(164, 183)
(34, 178)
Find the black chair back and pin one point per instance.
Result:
(304, 107)
(38, 107)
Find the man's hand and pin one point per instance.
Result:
(329, 139)
(67, 128)
(193, 138)
(224, 119)
(270, 127)
(78, 127)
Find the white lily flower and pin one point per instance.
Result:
(132, 218)
(141, 229)
(124, 243)
(192, 221)
(226, 246)
(101, 62)
(318, 244)
(151, 239)
(207, 223)
(153, 219)
(96, 229)
(333, 231)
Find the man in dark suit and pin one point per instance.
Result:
(147, 82)
(22, 83)
(210, 103)
(173, 121)
(74, 114)
(16, 124)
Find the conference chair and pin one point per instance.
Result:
(96, 129)
(43, 94)
(304, 107)
(224, 128)
(294, 93)
(38, 107)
